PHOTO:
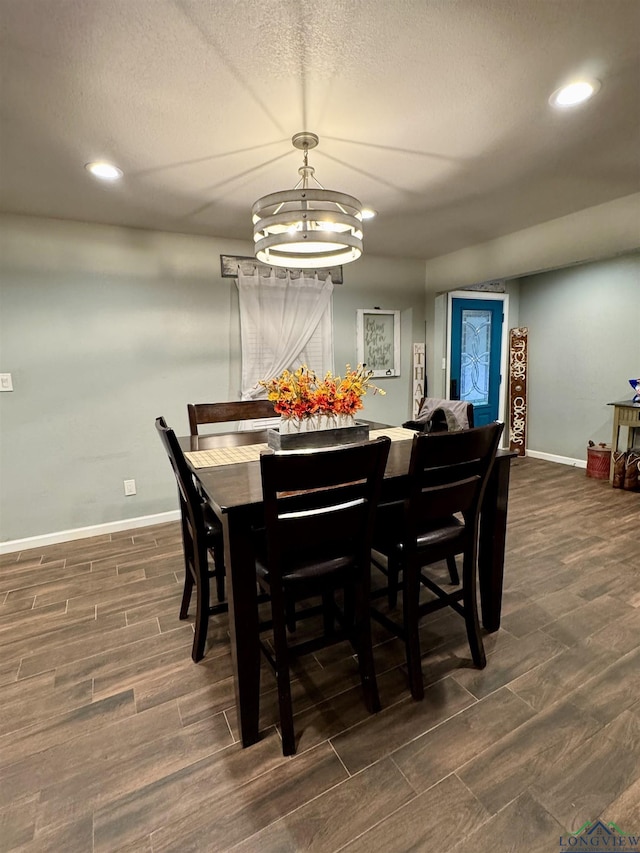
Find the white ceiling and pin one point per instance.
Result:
(433, 112)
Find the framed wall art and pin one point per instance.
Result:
(378, 340)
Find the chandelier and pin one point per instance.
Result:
(307, 226)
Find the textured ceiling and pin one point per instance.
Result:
(433, 112)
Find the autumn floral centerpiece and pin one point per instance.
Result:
(305, 402)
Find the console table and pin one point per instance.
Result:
(625, 413)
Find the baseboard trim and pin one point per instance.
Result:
(162, 517)
(86, 532)
(562, 460)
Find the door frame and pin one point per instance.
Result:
(504, 340)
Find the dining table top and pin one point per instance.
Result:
(229, 486)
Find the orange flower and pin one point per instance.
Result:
(300, 394)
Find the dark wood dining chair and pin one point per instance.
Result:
(236, 410)
(319, 515)
(391, 515)
(201, 536)
(448, 474)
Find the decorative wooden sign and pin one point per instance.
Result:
(419, 377)
(518, 348)
(229, 265)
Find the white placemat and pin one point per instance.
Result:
(225, 455)
(251, 452)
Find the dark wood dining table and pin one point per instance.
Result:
(234, 492)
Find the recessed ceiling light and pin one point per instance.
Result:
(368, 213)
(104, 171)
(574, 93)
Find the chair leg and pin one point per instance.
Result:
(393, 577)
(200, 565)
(290, 610)
(283, 678)
(187, 550)
(328, 613)
(349, 608)
(453, 570)
(186, 595)
(220, 584)
(202, 618)
(411, 601)
(470, 604)
(218, 559)
(364, 648)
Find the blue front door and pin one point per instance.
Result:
(476, 336)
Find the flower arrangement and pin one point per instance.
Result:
(301, 394)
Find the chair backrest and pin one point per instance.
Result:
(321, 504)
(190, 499)
(236, 410)
(448, 474)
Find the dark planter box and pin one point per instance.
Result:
(318, 438)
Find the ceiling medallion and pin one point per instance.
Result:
(307, 227)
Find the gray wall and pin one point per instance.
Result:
(604, 231)
(584, 344)
(105, 328)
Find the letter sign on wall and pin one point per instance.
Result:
(418, 377)
(518, 390)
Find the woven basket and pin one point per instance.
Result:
(598, 461)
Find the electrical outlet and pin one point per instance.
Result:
(6, 383)
(129, 487)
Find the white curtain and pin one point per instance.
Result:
(284, 322)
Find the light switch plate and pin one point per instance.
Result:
(6, 383)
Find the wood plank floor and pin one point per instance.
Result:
(111, 739)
